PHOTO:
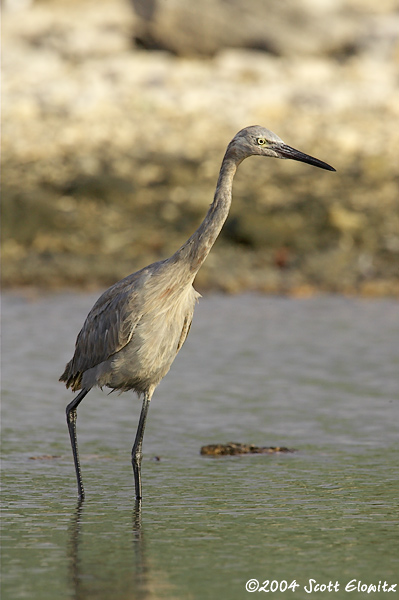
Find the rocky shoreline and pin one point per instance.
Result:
(110, 153)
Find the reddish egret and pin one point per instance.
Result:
(135, 329)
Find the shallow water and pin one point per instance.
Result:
(319, 375)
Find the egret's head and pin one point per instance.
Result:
(259, 141)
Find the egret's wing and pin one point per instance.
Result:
(109, 326)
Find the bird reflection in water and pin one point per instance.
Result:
(86, 576)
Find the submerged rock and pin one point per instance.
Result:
(232, 449)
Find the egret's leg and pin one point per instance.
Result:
(138, 443)
(71, 415)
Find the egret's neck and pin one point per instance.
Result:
(196, 249)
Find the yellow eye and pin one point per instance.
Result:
(261, 141)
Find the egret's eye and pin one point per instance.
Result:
(261, 141)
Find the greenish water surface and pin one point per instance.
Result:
(319, 375)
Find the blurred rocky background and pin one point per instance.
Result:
(116, 117)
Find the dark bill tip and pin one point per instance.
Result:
(288, 152)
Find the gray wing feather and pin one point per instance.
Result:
(185, 331)
(109, 326)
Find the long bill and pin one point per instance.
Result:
(284, 151)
